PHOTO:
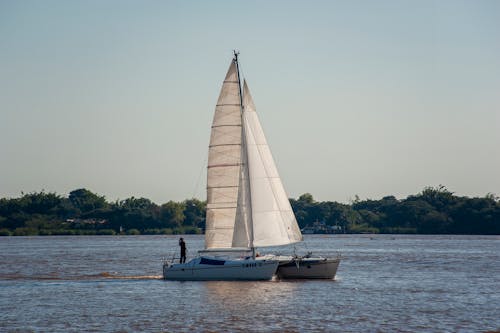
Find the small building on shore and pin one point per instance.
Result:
(320, 227)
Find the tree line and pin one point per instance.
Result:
(435, 210)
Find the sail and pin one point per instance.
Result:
(272, 216)
(224, 161)
(243, 229)
(247, 205)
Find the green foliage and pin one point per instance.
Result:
(5, 232)
(25, 232)
(188, 230)
(307, 199)
(172, 214)
(133, 232)
(86, 201)
(363, 229)
(155, 231)
(435, 210)
(108, 232)
(137, 213)
(194, 213)
(166, 231)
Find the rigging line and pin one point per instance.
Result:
(305, 245)
(241, 71)
(196, 188)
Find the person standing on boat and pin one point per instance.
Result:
(182, 244)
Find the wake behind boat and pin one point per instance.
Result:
(247, 206)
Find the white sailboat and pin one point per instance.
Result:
(247, 206)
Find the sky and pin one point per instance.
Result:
(366, 98)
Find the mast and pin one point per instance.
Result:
(235, 59)
(245, 152)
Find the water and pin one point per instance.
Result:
(385, 283)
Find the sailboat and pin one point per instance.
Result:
(247, 206)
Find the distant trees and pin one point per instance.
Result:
(31, 212)
(435, 210)
(84, 212)
(194, 213)
(172, 214)
(85, 201)
(137, 213)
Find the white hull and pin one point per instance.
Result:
(308, 268)
(207, 268)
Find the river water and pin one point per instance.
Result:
(385, 283)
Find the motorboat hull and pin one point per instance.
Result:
(214, 269)
(308, 268)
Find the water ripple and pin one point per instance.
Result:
(384, 284)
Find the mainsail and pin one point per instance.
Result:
(247, 205)
(224, 162)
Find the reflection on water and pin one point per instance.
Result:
(247, 294)
(257, 306)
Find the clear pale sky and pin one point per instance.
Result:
(372, 98)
